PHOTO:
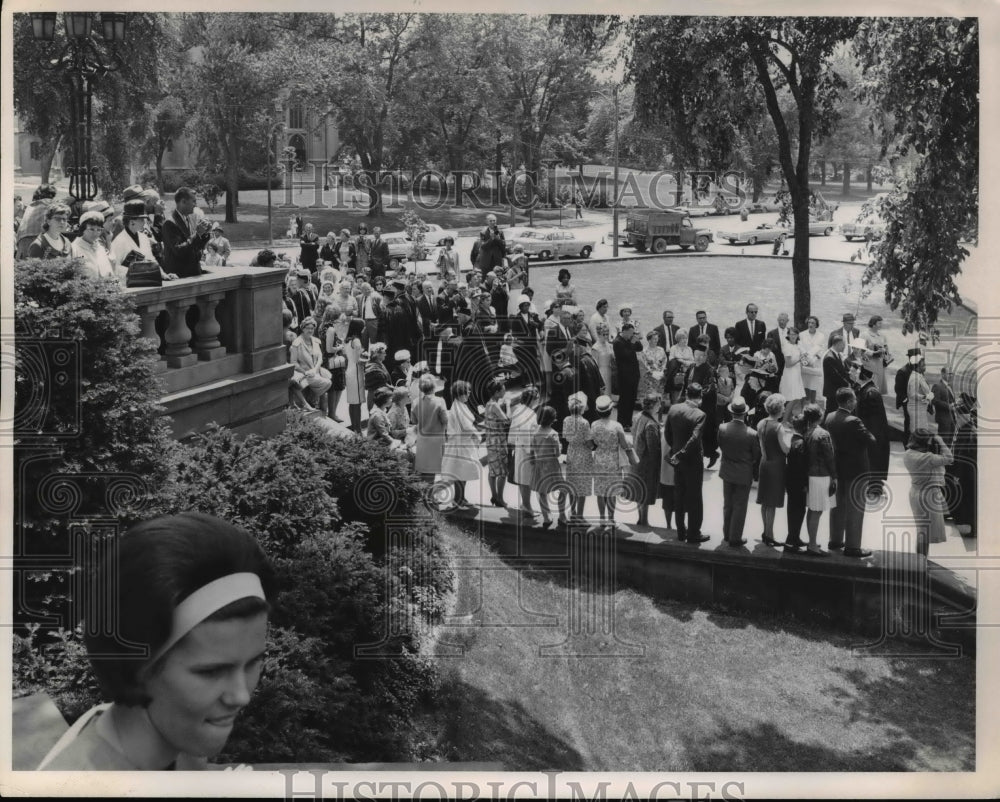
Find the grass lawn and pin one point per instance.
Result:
(710, 692)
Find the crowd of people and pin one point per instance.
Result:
(568, 403)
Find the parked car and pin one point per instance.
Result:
(655, 229)
(818, 227)
(554, 244)
(622, 236)
(750, 235)
(511, 235)
(401, 248)
(435, 235)
(863, 228)
(771, 204)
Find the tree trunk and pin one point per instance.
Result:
(159, 169)
(822, 172)
(232, 185)
(45, 158)
(868, 177)
(845, 187)
(801, 292)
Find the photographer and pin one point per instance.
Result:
(492, 247)
(185, 236)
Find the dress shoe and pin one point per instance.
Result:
(793, 547)
(712, 462)
(699, 538)
(859, 553)
(770, 541)
(835, 546)
(681, 537)
(817, 552)
(737, 543)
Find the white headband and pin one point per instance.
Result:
(207, 600)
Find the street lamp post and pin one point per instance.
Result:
(83, 63)
(273, 129)
(614, 227)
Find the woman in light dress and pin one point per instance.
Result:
(354, 372)
(496, 424)
(546, 472)
(880, 358)
(307, 355)
(461, 449)
(926, 457)
(579, 453)
(609, 440)
(517, 278)
(652, 363)
(523, 422)
(812, 345)
(604, 355)
(681, 355)
(791, 385)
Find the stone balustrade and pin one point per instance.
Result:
(222, 359)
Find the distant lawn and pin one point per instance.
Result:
(712, 691)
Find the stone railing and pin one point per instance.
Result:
(222, 355)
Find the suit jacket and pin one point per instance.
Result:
(378, 260)
(850, 444)
(555, 340)
(428, 316)
(740, 452)
(627, 361)
(944, 397)
(779, 357)
(714, 343)
(427, 351)
(181, 247)
(683, 432)
(854, 335)
(747, 339)
(835, 376)
(665, 344)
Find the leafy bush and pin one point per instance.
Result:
(58, 667)
(247, 181)
(90, 445)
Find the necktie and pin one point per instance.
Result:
(702, 330)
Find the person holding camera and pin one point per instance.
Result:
(185, 236)
(492, 247)
(926, 458)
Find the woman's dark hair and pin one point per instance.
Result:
(546, 416)
(56, 209)
(563, 274)
(812, 414)
(149, 571)
(771, 343)
(355, 328)
(873, 320)
(730, 332)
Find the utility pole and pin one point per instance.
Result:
(614, 228)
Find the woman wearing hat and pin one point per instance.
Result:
(517, 278)
(609, 441)
(918, 395)
(926, 457)
(51, 244)
(579, 452)
(218, 249)
(306, 353)
(625, 313)
(133, 237)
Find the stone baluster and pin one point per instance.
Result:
(178, 336)
(148, 316)
(206, 330)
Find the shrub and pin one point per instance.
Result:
(57, 664)
(90, 445)
(247, 181)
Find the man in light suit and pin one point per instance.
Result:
(704, 327)
(683, 435)
(668, 331)
(944, 406)
(740, 460)
(778, 335)
(848, 330)
(750, 332)
(851, 441)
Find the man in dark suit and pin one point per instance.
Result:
(430, 308)
(848, 330)
(439, 354)
(668, 331)
(588, 374)
(492, 247)
(851, 441)
(702, 326)
(472, 360)
(740, 459)
(558, 337)
(683, 435)
(778, 335)
(395, 325)
(184, 237)
(524, 327)
(944, 406)
(378, 259)
(750, 332)
(625, 349)
(835, 372)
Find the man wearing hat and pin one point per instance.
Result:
(848, 330)
(395, 324)
(588, 374)
(89, 248)
(184, 236)
(740, 449)
(401, 372)
(218, 249)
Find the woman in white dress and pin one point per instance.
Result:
(791, 385)
(354, 373)
(918, 395)
(880, 358)
(461, 448)
(604, 354)
(812, 344)
(523, 423)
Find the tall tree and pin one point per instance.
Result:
(785, 59)
(926, 72)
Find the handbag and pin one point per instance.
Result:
(143, 274)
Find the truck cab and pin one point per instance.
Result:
(656, 229)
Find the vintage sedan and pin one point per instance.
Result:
(512, 235)
(751, 235)
(820, 227)
(866, 229)
(435, 235)
(554, 244)
(401, 249)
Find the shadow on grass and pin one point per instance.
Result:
(763, 747)
(478, 727)
(931, 702)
